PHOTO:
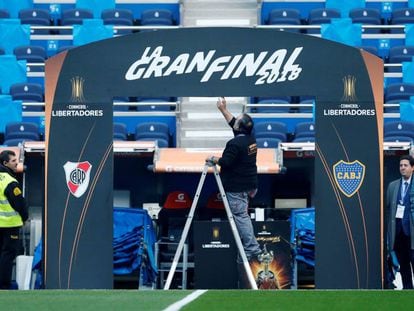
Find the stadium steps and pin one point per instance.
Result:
(219, 13)
(201, 125)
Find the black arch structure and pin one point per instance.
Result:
(81, 83)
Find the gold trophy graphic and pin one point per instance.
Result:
(265, 278)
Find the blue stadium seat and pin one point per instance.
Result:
(304, 131)
(285, 17)
(272, 129)
(266, 142)
(398, 139)
(118, 17)
(2, 52)
(31, 53)
(152, 130)
(21, 130)
(120, 131)
(367, 16)
(321, 16)
(74, 17)
(401, 16)
(155, 17)
(36, 17)
(4, 13)
(401, 53)
(397, 92)
(401, 130)
(28, 92)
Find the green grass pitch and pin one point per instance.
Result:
(149, 300)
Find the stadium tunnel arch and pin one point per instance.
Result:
(80, 85)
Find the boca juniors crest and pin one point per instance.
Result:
(77, 177)
(349, 176)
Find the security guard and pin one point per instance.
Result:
(13, 213)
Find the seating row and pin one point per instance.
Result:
(271, 134)
(306, 6)
(287, 16)
(268, 134)
(154, 131)
(37, 53)
(367, 16)
(75, 16)
(31, 93)
(358, 15)
(18, 132)
(34, 93)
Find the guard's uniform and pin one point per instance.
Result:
(13, 213)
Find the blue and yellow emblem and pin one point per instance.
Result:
(349, 176)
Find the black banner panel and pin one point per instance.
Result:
(348, 179)
(79, 188)
(81, 83)
(214, 255)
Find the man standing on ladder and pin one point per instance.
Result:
(239, 175)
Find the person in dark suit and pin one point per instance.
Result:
(399, 213)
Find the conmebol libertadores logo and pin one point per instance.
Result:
(268, 66)
(77, 177)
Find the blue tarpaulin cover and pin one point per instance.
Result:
(10, 111)
(90, 31)
(133, 244)
(303, 235)
(11, 71)
(408, 71)
(342, 30)
(407, 110)
(345, 6)
(134, 241)
(13, 34)
(409, 34)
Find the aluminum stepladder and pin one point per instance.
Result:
(189, 220)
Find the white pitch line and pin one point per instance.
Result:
(186, 300)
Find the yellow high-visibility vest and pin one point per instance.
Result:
(8, 216)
